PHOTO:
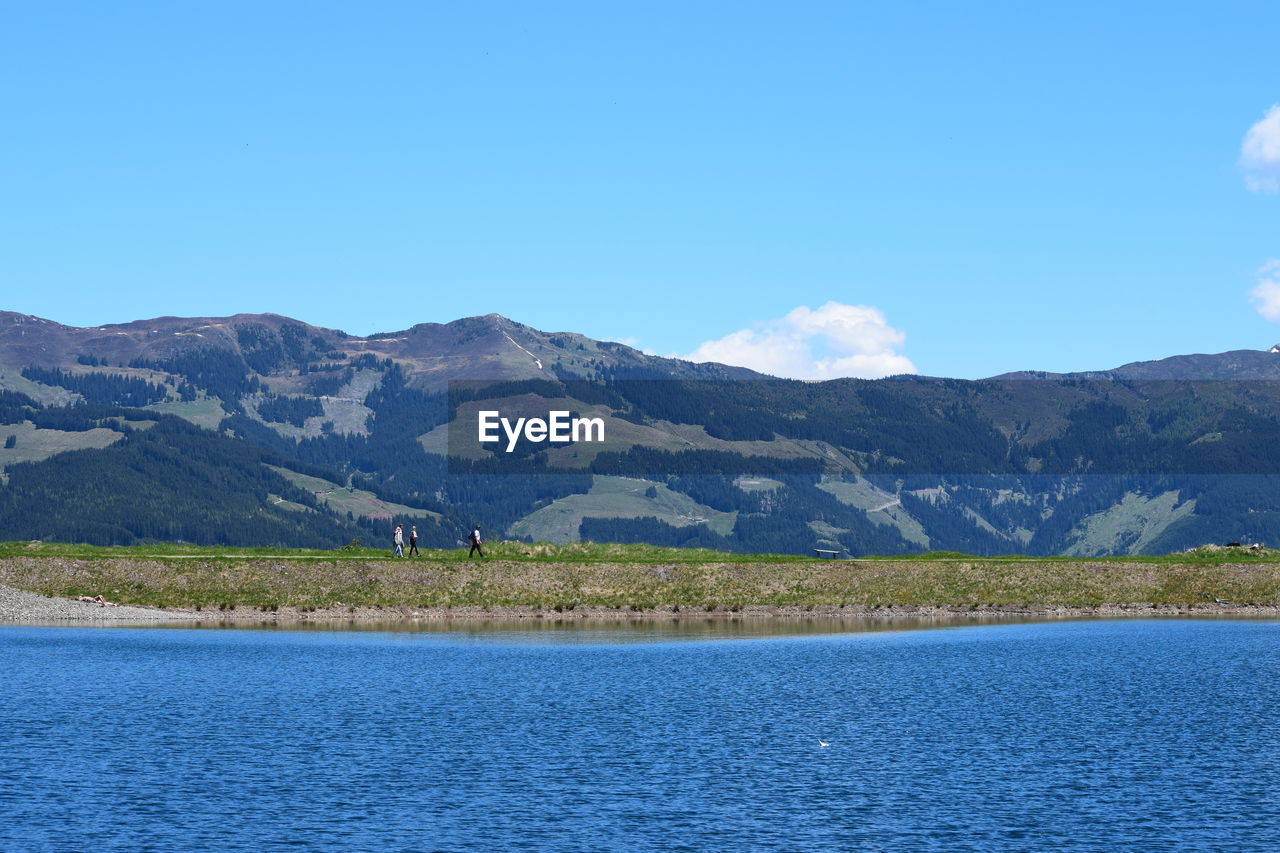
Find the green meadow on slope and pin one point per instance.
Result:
(618, 497)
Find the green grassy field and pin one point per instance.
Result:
(206, 412)
(342, 499)
(573, 552)
(618, 497)
(626, 578)
(45, 395)
(35, 445)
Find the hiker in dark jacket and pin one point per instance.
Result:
(475, 543)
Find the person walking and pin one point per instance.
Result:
(413, 540)
(398, 541)
(475, 543)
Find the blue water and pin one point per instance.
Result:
(1124, 735)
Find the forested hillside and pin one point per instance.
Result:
(176, 429)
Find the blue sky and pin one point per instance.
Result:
(999, 186)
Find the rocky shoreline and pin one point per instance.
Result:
(19, 607)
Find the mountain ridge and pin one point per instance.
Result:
(487, 346)
(436, 339)
(1233, 364)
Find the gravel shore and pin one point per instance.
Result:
(20, 607)
(29, 608)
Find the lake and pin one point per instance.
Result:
(1089, 735)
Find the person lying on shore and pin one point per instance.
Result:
(97, 599)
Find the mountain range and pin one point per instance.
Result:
(260, 429)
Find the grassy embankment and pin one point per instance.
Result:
(623, 577)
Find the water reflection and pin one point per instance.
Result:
(623, 630)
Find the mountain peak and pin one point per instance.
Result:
(1242, 364)
(14, 318)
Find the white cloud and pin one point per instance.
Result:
(1260, 153)
(833, 341)
(1266, 295)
